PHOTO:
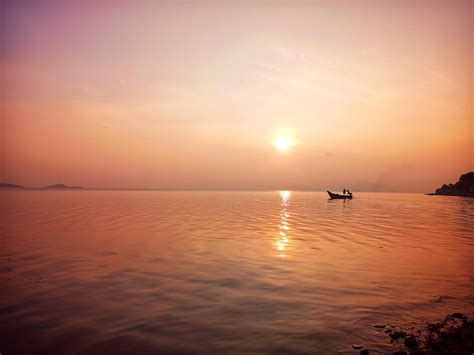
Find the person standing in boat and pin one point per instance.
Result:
(344, 191)
(348, 192)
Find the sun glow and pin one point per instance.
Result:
(283, 144)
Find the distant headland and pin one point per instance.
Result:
(5, 185)
(62, 187)
(464, 187)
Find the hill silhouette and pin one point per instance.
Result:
(62, 187)
(5, 185)
(464, 187)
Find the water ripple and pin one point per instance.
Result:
(178, 272)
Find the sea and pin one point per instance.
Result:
(227, 272)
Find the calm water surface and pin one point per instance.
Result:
(97, 272)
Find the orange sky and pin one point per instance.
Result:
(377, 95)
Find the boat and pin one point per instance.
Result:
(334, 196)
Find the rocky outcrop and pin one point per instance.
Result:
(453, 335)
(464, 187)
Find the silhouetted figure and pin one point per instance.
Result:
(344, 191)
(349, 193)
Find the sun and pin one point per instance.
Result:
(283, 144)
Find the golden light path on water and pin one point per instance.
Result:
(284, 228)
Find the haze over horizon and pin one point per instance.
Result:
(370, 95)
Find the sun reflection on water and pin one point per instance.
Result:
(284, 227)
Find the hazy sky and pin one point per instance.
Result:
(375, 94)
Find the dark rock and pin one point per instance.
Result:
(379, 326)
(464, 187)
(458, 316)
(357, 346)
(364, 352)
(398, 334)
(453, 335)
(411, 342)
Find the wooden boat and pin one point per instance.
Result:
(334, 196)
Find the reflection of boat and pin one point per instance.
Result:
(334, 196)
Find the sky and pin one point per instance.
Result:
(372, 95)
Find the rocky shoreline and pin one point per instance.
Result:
(453, 335)
(464, 187)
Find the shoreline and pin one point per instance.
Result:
(453, 335)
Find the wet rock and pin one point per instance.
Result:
(357, 346)
(432, 327)
(458, 316)
(411, 342)
(398, 334)
(453, 335)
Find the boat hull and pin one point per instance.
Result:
(334, 196)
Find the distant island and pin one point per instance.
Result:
(5, 185)
(464, 187)
(62, 187)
